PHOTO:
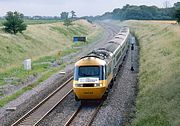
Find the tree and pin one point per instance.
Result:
(177, 15)
(14, 22)
(141, 12)
(64, 15)
(177, 5)
(166, 4)
(73, 14)
(67, 22)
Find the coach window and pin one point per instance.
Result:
(106, 72)
(118, 56)
(109, 68)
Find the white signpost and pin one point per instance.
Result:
(27, 64)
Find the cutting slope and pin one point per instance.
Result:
(158, 101)
(40, 40)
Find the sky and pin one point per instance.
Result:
(81, 7)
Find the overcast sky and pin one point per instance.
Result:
(81, 7)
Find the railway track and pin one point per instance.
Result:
(78, 111)
(36, 114)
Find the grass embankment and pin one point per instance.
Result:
(158, 101)
(44, 44)
(1, 22)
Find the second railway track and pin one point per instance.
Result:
(79, 112)
(35, 115)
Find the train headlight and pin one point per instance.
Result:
(97, 85)
(79, 85)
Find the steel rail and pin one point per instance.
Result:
(38, 106)
(94, 114)
(73, 116)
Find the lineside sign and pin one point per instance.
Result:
(76, 39)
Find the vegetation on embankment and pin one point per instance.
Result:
(158, 100)
(45, 44)
(40, 40)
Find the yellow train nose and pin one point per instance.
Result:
(89, 92)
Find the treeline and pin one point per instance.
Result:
(142, 12)
(62, 16)
(14, 21)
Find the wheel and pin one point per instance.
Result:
(124, 58)
(114, 79)
(111, 83)
(76, 98)
(105, 95)
(119, 67)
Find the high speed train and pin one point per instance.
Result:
(94, 73)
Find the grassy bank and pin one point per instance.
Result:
(45, 44)
(40, 40)
(1, 21)
(45, 76)
(43, 41)
(158, 101)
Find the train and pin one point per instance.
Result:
(94, 73)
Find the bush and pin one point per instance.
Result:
(14, 22)
(68, 22)
(177, 15)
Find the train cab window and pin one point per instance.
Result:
(109, 68)
(89, 71)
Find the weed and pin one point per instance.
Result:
(158, 100)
